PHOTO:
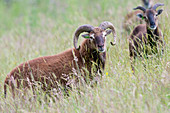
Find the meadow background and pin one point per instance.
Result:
(34, 28)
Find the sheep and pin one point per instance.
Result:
(53, 69)
(146, 39)
(130, 19)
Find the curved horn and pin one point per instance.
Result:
(157, 5)
(81, 29)
(141, 8)
(104, 25)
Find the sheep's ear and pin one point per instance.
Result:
(85, 36)
(159, 12)
(140, 15)
(108, 32)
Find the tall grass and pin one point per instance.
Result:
(33, 28)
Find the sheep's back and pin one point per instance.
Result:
(48, 67)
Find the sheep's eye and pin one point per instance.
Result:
(144, 17)
(92, 36)
(104, 34)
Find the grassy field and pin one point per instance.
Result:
(34, 28)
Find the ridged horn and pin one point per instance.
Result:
(141, 8)
(157, 5)
(105, 25)
(81, 29)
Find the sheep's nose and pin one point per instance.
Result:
(101, 48)
(152, 25)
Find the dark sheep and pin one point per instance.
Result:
(145, 36)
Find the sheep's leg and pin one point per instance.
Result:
(5, 89)
(132, 60)
(6, 83)
(101, 63)
(12, 86)
(102, 58)
(133, 53)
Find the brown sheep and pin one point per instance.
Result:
(131, 19)
(59, 68)
(146, 38)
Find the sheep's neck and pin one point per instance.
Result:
(153, 33)
(89, 54)
(152, 36)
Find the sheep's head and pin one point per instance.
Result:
(150, 15)
(147, 3)
(96, 35)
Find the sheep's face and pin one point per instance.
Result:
(150, 16)
(97, 38)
